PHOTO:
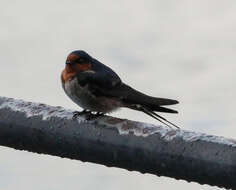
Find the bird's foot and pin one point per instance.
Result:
(79, 113)
(92, 116)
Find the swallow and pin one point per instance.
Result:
(97, 88)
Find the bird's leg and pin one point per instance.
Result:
(94, 116)
(100, 114)
(78, 113)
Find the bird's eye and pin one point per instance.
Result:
(81, 60)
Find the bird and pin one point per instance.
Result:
(96, 88)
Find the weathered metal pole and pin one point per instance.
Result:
(114, 142)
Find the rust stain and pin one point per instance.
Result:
(114, 121)
(128, 125)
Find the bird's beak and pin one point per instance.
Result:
(68, 63)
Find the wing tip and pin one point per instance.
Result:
(174, 111)
(175, 102)
(165, 101)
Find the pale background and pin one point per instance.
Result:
(176, 49)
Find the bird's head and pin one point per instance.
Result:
(78, 61)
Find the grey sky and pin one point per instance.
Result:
(177, 49)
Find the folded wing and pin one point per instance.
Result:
(131, 97)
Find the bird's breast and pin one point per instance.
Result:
(83, 97)
(79, 95)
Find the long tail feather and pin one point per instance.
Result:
(161, 109)
(157, 117)
(148, 113)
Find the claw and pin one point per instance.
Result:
(92, 116)
(78, 113)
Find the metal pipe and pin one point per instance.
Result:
(115, 142)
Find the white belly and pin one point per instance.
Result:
(82, 97)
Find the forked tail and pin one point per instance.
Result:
(156, 116)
